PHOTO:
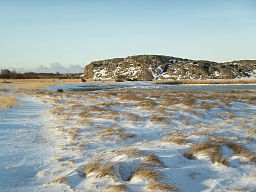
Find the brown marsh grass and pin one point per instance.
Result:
(101, 168)
(128, 96)
(107, 169)
(93, 165)
(8, 102)
(39, 83)
(158, 186)
(239, 149)
(211, 149)
(58, 110)
(86, 122)
(144, 172)
(131, 152)
(115, 130)
(152, 160)
(73, 132)
(179, 138)
(252, 131)
(147, 104)
(159, 119)
(117, 188)
(108, 132)
(131, 117)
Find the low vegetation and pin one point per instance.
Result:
(8, 101)
(120, 140)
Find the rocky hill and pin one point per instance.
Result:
(151, 67)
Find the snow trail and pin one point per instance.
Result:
(23, 148)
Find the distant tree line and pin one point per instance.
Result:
(7, 74)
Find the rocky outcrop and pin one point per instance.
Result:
(151, 67)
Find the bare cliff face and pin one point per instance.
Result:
(151, 67)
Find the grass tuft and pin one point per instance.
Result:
(238, 149)
(178, 138)
(131, 152)
(152, 160)
(144, 172)
(158, 186)
(101, 168)
(117, 188)
(211, 149)
(93, 165)
(61, 179)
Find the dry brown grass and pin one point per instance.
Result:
(207, 105)
(39, 83)
(129, 96)
(158, 186)
(101, 168)
(131, 152)
(115, 130)
(108, 104)
(8, 102)
(84, 113)
(252, 131)
(73, 136)
(100, 112)
(144, 172)
(86, 122)
(211, 149)
(179, 138)
(125, 136)
(169, 101)
(147, 104)
(203, 132)
(61, 179)
(107, 169)
(131, 117)
(93, 165)
(189, 101)
(110, 131)
(57, 111)
(239, 149)
(159, 119)
(108, 94)
(152, 160)
(117, 188)
(73, 132)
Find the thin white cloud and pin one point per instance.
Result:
(53, 68)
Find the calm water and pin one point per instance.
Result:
(147, 86)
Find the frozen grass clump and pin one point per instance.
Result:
(179, 138)
(146, 173)
(158, 186)
(211, 149)
(152, 160)
(117, 188)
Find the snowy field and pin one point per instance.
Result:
(129, 139)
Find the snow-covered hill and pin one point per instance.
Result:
(150, 67)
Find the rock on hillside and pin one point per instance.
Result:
(150, 67)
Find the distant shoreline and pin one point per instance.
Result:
(207, 82)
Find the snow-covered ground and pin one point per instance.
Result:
(24, 148)
(133, 140)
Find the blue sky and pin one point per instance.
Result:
(36, 33)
